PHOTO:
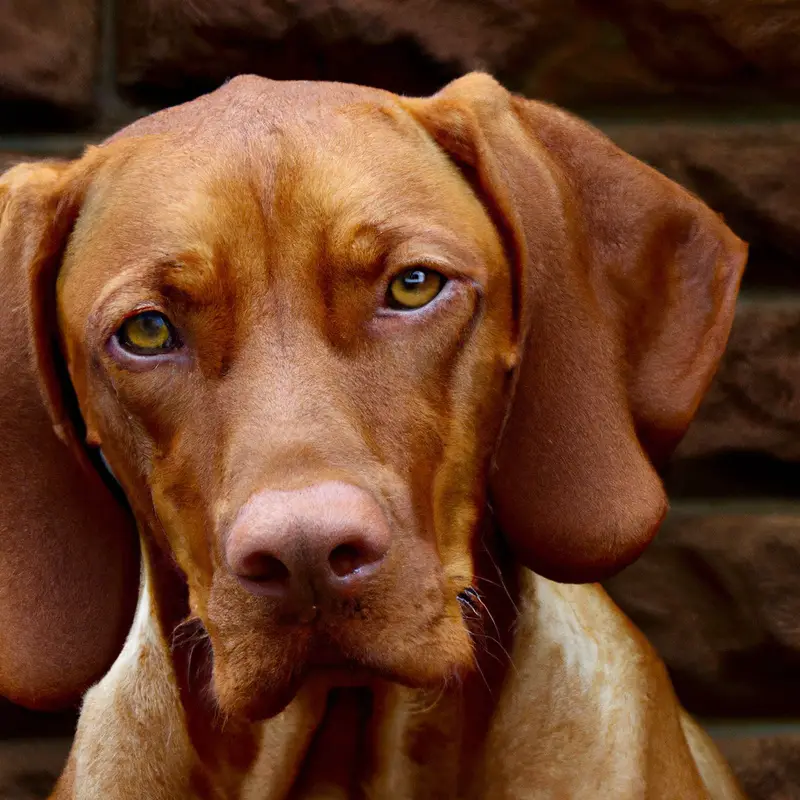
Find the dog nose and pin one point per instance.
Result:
(330, 536)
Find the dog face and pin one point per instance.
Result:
(298, 339)
(297, 319)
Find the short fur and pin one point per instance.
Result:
(509, 432)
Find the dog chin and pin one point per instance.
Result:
(256, 675)
(257, 699)
(258, 705)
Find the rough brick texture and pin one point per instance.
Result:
(718, 594)
(754, 402)
(550, 48)
(584, 52)
(745, 439)
(173, 47)
(750, 173)
(698, 43)
(719, 597)
(28, 769)
(47, 61)
(767, 766)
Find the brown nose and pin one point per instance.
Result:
(330, 536)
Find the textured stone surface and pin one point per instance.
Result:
(413, 46)
(737, 42)
(582, 52)
(745, 439)
(546, 48)
(767, 766)
(588, 65)
(47, 59)
(719, 597)
(749, 172)
(29, 769)
(753, 404)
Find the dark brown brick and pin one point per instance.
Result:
(745, 439)
(767, 766)
(29, 769)
(171, 49)
(719, 597)
(47, 62)
(746, 435)
(587, 65)
(750, 173)
(574, 52)
(740, 43)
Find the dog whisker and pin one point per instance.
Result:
(188, 631)
(479, 670)
(475, 595)
(502, 583)
(438, 699)
(464, 600)
(489, 614)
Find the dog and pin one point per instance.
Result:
(364, 393)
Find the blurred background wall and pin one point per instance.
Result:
(707, 91)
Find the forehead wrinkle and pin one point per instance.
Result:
(357, 249)
(222, 240)
(374, 171)
(193, 277)
(284, 203)
(175, 189)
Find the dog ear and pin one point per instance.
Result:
(626, 289)
(69, 563)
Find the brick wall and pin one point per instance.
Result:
(706, 91)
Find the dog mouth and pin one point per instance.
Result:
(264, 692)
(257, 672)
(418, 634)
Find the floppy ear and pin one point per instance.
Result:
(68, 550)
(626, 293)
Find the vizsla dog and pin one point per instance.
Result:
(381, 383)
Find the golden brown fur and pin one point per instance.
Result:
(505, 435)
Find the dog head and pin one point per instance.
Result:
(317, 330)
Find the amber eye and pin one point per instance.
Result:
(415, 288)
(147, 334)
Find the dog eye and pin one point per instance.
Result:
(147, 334)
(415, 288)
